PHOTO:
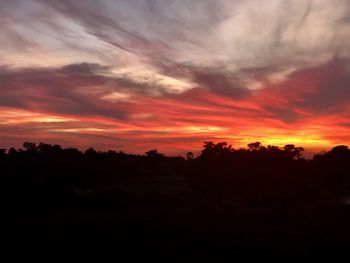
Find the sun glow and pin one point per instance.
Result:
(14, 116)
(310, 142)
(171, 77)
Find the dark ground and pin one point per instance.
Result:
(251, 205)
(248, 234)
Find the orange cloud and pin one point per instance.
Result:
(72, 106)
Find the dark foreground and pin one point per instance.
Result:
(250, 234)
(255, 205)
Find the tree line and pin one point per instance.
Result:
(46, 174)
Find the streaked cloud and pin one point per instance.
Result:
(169, 74)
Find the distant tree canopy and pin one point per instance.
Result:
(255, 146)
(210, 150)
(257, 172)
(154, 153)
(218, 150)
(189, 155)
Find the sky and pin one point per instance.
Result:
(169, 74)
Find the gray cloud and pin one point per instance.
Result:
(84, 69)
(286, 114)
(276, 61)
(318, 90)
(56, 90)
(221, 84)
(237, 36)
(332, 92)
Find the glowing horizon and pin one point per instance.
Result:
(136, 75)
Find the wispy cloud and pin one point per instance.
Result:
(155, 70)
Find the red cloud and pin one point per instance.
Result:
(67, 106)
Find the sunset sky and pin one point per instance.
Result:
(134, 75)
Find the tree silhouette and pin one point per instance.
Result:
(212, 150)
(294, 152)
(189, 155)
(256, 146)
(30, 146)
(51, 191)
(153, 153)
(220, 171)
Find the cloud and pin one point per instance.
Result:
(302, 107)
(84, 69)
(145, 72)
(56, 90)
(318, 90)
